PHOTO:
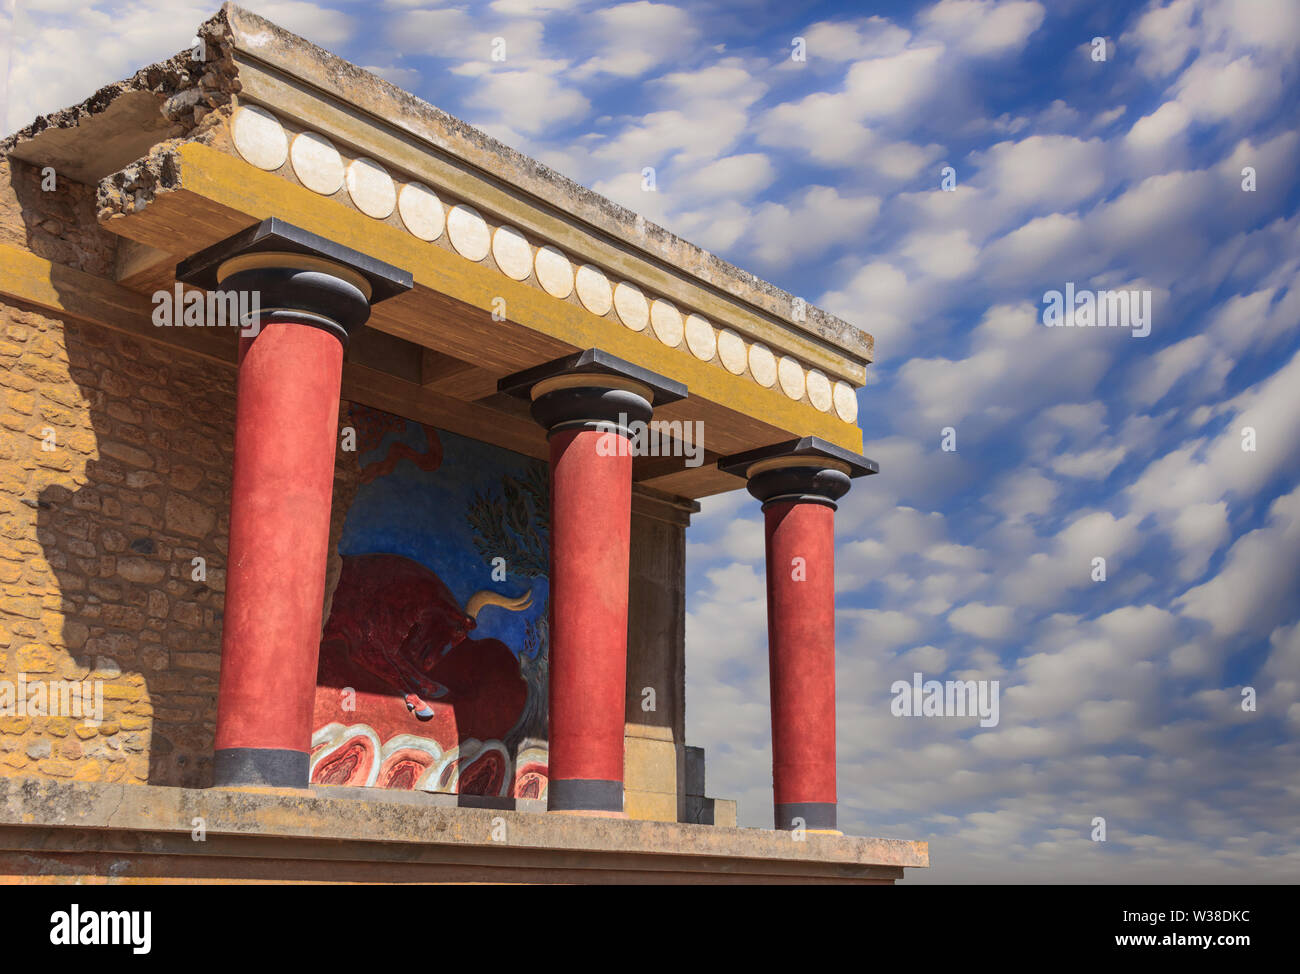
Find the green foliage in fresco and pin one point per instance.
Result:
(514, 522)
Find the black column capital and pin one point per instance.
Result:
(591, 390)
(806, 470)
(298, 276)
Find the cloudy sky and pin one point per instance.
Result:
(1121, 698)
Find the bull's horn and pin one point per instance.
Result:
(480, 599)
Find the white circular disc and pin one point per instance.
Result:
(700, 338)
(790, 374)
(846, 402)
(594, 291)
(371, 188)
(631, 306)
(259, 137)
(316, 163)
(666, 321)
(421, 211)
(819, 390)
(731, 350)
(468, 232)
(554, 272)
(511, 252)
(762, 365)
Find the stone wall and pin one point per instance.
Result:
(655, 721)
(115, 464)
(114, 472)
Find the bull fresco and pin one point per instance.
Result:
(432, 671)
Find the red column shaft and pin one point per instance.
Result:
(591, 511)
(800, 541)
(285, 431)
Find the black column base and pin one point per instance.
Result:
(584, 795)
(234, 767)
(814, 815)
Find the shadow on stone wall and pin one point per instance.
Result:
(139, 547)
(115, 466)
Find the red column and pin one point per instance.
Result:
(315, 293)
(799, 482)
(801, 656)
(285, 431)
(591, 512)
(589, 403)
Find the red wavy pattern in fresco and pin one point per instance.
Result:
(372, 426)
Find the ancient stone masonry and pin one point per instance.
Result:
(99, 536)
(184, 96)
(101, 529)
(98, 545)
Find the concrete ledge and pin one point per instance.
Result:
(54, 831)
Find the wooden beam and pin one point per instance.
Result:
(696, 482)
(382, 391)
(457, 378)
(66, 290)
(385, 353)
(143, 268)
(436, 365)
(86, 297)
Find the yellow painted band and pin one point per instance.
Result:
(297, 262)
(228, 182)
(586, 380)
(775, 463)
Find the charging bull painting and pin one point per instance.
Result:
(433, 654)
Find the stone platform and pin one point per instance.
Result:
(53, 832)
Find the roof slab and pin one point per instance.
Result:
(513, 264)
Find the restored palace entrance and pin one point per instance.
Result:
(352, 459)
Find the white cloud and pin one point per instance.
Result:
(880, 299)
(636, 38)
(60, 58)
(1046, 577)
(1256, 588)
(943, 255)
(983, 621)
(740, 175)
(840, 41)
(1215, 88)
(886, 87)
(1164, 36)
(880, 628)
(1090, 464)
(1057, 171)
(1013, 359)
(1208, 469)
(984, 27)
(528, 100)
(809, 225)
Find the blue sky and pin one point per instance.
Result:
(1120, 699)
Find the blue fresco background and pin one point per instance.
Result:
(422, 515)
